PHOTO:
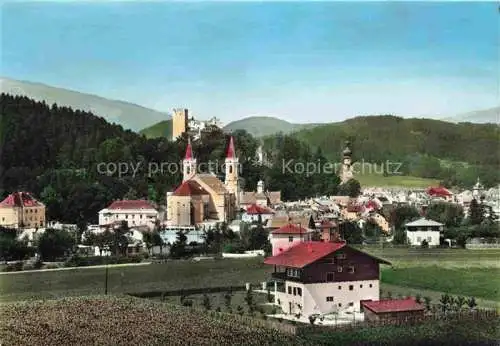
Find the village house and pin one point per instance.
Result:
(288, 236)
(423, 229)
(261, 197)
(392, 309)
(22, 210)
(314, 277)
(136, 213)
(254, 212)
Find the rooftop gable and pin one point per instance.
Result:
(190, 188)
(305, 253)
(393, 305)
(291, 229)
(255, 209)
(20, 199)
(423, 222)
(131, 204)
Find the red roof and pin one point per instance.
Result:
(393, 305)
(190, 188)
(290, 229)
(327, 224)
(305, 253)
(438, 191)
(131, 204)
(230, 149)
(257, 209)
(189, 151)
(20, 199)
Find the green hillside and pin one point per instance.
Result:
(158, 130)
(129, 115)
(265, 126)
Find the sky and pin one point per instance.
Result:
(299, 61)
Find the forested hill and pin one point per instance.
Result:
(378, 138)
(61, 156)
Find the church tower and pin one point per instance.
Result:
(189, 163)
(232, 174)
(346, 172)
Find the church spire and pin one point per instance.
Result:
(189, 151)
(189, 163)
(230, 154)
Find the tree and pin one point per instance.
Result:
(427, 302)
(400, 237)
(351, 232)
(476, 213)
(403, 214)
(178, 249)
(12, 249)
(120, 241)
(471, 303)
(450, 214)
(254, 238)
(351, 188)
(54, 244)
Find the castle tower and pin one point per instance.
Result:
(346, 172)
(179, 122)
(189, 163)
(232, 174)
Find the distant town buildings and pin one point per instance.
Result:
(22, 210)
(423, 229)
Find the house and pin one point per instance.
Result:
(440, 193)
(260, 197)
(135, 212)
(203, 197)
(255, 211)
(423, 229)
(22, 210)
(316, 277)
(392, 309)
(279, 221)
(288, 236)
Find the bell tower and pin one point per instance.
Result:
(232, 171)
(346, 172)
(189, 163)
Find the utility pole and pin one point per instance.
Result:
(106, 279)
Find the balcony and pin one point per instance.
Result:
(282, 276)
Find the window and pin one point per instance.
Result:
(371, 285)
(299, 291)
(340, 305)
(3, 219)
(290, 239)
(289, 290)
(341, 256)
(126, 216)
(140, 216)
(351, 287)
(429, 239)
(351, 304)
(340, 287)
(329, 299)
(339, 269)
(295, 291)
(351, 269)
(419, 239)
(329, 276)
(230, 169)
(360, 286)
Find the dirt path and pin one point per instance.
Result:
(74, 268)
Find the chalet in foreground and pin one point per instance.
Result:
(315, 277)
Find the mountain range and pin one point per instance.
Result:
(153, 123)
(129, 115)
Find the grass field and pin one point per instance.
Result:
(126, 321)
(378, 180)
(427, 272)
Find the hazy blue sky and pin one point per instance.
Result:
(303, 62)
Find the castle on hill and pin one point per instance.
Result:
(181, 123)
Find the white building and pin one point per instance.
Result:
(255, 211)
(134, 212)
(423, 229)
(323, 278)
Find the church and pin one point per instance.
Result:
(202, 197)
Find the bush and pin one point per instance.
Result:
(80, 261)
(14, 267)
(52, 266)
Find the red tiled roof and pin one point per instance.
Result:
(190, 188)
(230, 149)
(305, 253)
(131, 204)
(393, 305)
(290, 229)
(189, 151)
(257, 209)
(20, 199)
(438, 191)
(327, 224)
